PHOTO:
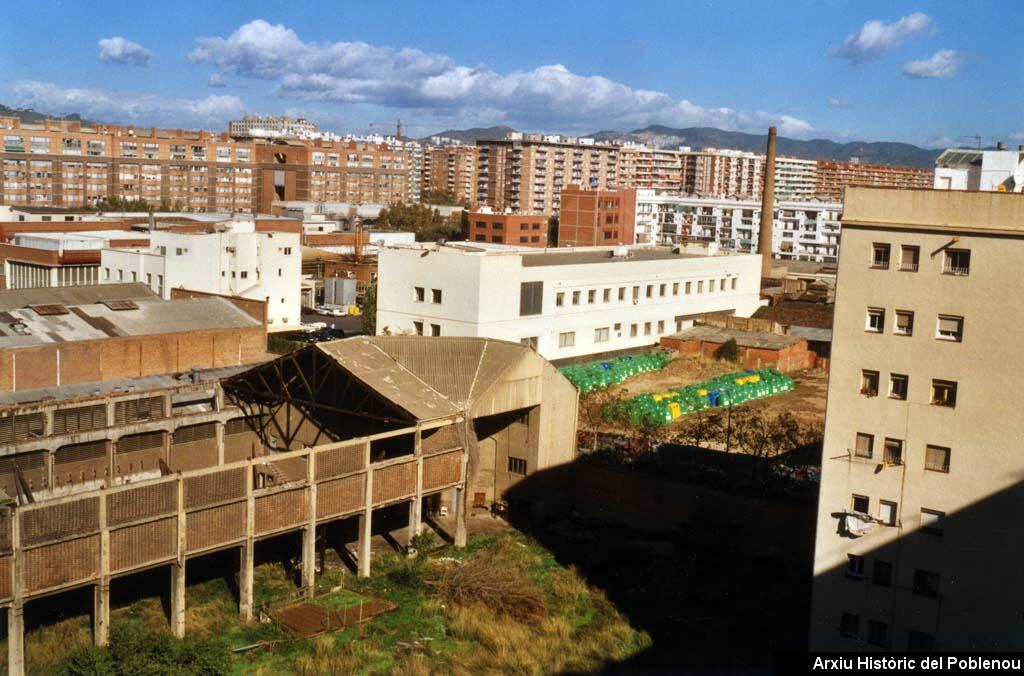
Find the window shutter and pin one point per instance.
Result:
(949, 325)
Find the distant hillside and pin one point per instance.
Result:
(878, 152)
(29, 116)
(475, 134)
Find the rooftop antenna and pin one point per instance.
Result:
(976, 137)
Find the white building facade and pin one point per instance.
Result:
(802, 230)
(234, 261)
(985, 170)
(564, 302)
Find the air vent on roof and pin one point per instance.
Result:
(49, 309)
(121, 304)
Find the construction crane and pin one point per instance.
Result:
(398, 127)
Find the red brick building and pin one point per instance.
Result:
(596, 217)
(518, 229)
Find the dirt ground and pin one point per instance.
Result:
(806, 402)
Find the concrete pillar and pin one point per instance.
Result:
(219, 427)
(415, 522)
(248, 554)
(101, 613)
(309, 532)
(178, 598)
(460, 516)
(16, 639)
(365, 525)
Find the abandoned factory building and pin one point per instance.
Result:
(135, 470)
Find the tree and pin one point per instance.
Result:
(553, 231)
(762, 436)
(728, 351)
(702, 427)
(370, 310)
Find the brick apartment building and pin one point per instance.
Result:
(597, 217)
(518, 229)
(834, 177)
(451, 169)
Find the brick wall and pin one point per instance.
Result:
(112, 358)
(792, 358)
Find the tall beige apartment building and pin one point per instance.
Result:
(919, 538)
(722, 173)
(647, 168)
(451, 169)
(526, 172)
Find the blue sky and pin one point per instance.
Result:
(929, 73)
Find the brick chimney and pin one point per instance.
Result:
(764, 235)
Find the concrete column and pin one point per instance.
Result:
(248, 553)
(178, 598)
(16, 639)
(366, 526)
(101, 613)
(178, 569)
(219, 427)
(309, 532)
(460, 517)
(415, 524)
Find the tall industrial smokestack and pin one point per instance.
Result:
(764, 235)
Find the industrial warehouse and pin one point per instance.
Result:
(137, 433)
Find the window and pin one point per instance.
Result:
(435, 329)
(245, 274)
(880, 256)
(898, 386)
(920, 642)
(531, 298)
(849, 626)
(420, 293)
(861, 504)
(592, 296)
(560, 299)
(661, 327)
(650, 290)
(869, 383)
(418, 327)
(688, 285)
(106, 273)
(633, 330)
(933, 522)
(647, 328)
(878, 633)
(733, 283)
(700, 286)
(881, 573)
(622, 293)
(601, 335)
(854, 566)
(120, 275)
(675, 288)
(944, 393)
(926, 583)
(958, 262)
(904, 323)
(575, 297)
(661, 289)
(936, 458)
(516, 465)
(950, 328)
(876, 320)
(530, 342)
(887, 512)
(607, 296)
(908, 258)
(893, 452)
(711, 285)
(435, 296)
(865, 444)
(721, 285)
(567, 339)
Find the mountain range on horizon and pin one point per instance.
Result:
(874, 152)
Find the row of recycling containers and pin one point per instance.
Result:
(732, 389)
(597, 375)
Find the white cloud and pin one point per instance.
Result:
(943, 63)
(217, 80)
(104, 105)
(877, 37)
(433, 84)
(837, 103)
(124, 51)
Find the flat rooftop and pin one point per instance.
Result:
(949, 210)
(755, 339)
(604, 255)
(36, 319)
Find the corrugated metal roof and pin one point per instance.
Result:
(74, 295)
(378, 370)
(812, 333)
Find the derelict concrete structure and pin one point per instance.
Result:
(333, 431)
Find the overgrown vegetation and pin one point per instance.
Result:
(369, 315)
(428, 224)
(728, 351)
(503, 604)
